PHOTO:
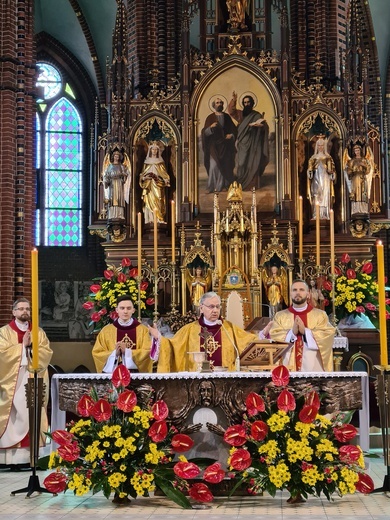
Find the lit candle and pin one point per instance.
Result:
(318, 254)
(331, 242)
(35, 309)
(382, 303)
(155, 240)
(139, 230)
(300, 255)
(227, 221)
(173, 220)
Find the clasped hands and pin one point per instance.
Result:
(298, 327)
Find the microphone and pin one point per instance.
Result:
(237, 362)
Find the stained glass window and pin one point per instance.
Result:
(59, 162)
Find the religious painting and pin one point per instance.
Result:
(236, 140)
(62, 315)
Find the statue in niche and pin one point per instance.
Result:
(198, 284)
(116, 182)
(321, 175)
(358, 172)
(153, 180)
(275, 283)
(237, 9)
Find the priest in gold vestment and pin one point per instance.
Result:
(221, 340)
(308, 329)
(15, 351)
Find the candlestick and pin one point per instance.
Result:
(155, 241)
(318, 254)
(35, 308)
(382, 304)
(300, 255)
(173, 220)
(139, 230)
(331, 242)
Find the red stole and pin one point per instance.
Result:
(213, 341)
(19, 332)
(127, 333)
(299, 340)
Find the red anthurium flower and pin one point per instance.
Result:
(345, 258)
(102, 312)
(345, 432)
(108, 274)
(121, 376)
(327, 285)
(88, 305)
(186, 470)
(360, 309)
(150, 301)
(113, 315)
(308, 413)
(370, 306)
(62, 437)
(85, 406)
(351, 274)
(326, 302)
(158, 431)
(214, 473)
(313, 398)
(95, 317)
(259, 430)
(55, 482)
(365, 484)
(133, 272)
(349, 453)
(367, 268)
(241, 459)
(337, 270)
(144, 285)
(126, 401)
(126, 262)
(95, 288)
(254, 403)
(201, 493)
(181, 443)
(69, 452)
(121, 277)
(101, 410)
(286, 401)
(160, 410)
(235, 435)
(280, 375)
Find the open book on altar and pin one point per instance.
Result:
(263, 354)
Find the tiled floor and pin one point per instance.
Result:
(68, 507)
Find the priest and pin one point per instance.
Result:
(308, 331)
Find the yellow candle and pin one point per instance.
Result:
(155, 241)
(35, 311)
(382, 303)
(139, 230)
(173, 220)
(318, 254)
(331, 242)
(300, 222)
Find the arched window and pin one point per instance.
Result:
(59, 132)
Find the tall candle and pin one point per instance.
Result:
(35, 311)
(382, 304)
(139, 230)
(300, 225)
(173, 220)
(318, 254)
(331, 242)
(155, 241)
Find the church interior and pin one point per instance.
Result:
(197, 145)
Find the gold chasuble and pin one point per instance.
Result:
(137, 338)
(219, 342)
(318, 323)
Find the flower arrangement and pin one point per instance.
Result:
(117, 281)
(356, 291)
(120, 447)
(285, 443)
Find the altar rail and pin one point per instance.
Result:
(186, 392)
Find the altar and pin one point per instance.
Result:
(197, 400)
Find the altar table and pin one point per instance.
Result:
(187, 394)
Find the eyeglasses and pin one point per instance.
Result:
(212, 306)
(23, 309)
